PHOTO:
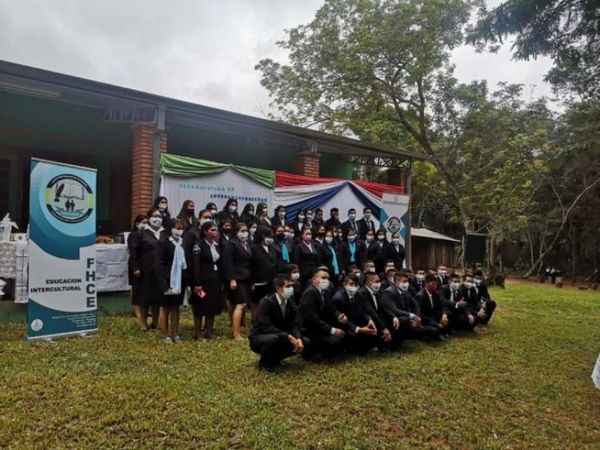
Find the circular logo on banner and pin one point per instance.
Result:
(68, 198)
(37, 325)
(394, 225)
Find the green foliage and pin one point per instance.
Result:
(523, 382)
(567, 31)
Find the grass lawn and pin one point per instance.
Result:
(522, 382)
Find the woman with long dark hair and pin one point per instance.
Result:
(188, 215)
(162, 204)
(133, 243)
(229, 212)
(247, 215)
(206, 267)
(236, 265)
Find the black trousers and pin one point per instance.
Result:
(359, 344)
(272, 348)
(460, 320)
(327, 345)
(490, 307)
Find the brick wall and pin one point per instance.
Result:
(143, 167)
(307, 163)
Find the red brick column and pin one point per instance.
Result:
(143, 167)
(398, 177)
(307, 163)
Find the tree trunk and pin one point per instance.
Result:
(573, 256)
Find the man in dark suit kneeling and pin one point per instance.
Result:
(319, 320)
(275, 335)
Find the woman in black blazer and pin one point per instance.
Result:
(351, 244)
(206, 267)
(170, 259)
(236, 266)
(262, 215)
(307, 256)
(144, 260)
(188, 215)
(247, 215)
(264, 266)
(229, 212)
(134, 272)
(332, 257)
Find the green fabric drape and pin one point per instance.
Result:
(183, 166)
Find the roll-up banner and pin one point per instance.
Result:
(62, 264)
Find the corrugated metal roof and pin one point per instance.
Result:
(428, 234)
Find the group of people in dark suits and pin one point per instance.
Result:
(315, 287)
(365, 313)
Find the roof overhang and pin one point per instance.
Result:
(122, 104)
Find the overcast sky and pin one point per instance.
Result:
(202, 51)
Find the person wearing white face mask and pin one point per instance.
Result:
(229, 212)
(190, 237)
(350, 224)
(395, 251)
(162, 204)
(279, 219)
(299, 224)
(364, 327)
(331, 256)
(459, 299)
(403, 314)
(237, 258)
(171, 263)
(319, 321)
(275, 334)
(366, 224)
(354, 251)
(370, 292)
(150, 292)
(133, 244)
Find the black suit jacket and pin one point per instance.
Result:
(398, 303)
(331, 222)
(143, 256)
(360, 254)
(270, 320)
(397, 256)
(276, 222)
(306, 260)
(432, 313)
(237, 261)
(349, 225)
(203, 267)
(316, 313)
(356, 310)
(263, 264)
(364, 227)
(376, 253)
(365, 296)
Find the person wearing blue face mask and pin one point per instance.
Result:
(275, 333)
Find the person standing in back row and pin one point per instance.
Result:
(171, 264)
(366, 224)
(206, 282)
(237, 267)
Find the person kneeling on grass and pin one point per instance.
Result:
(364, 330)
(170, 260)
(275, 334)
(434, 308)
(319, 320)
